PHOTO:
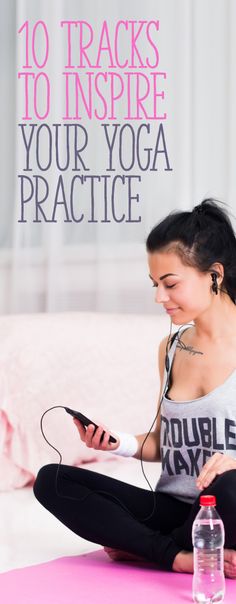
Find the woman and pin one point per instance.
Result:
(192, 263)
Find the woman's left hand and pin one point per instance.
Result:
(217, 464)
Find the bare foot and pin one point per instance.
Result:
(183, 563)
(118, 554)
(230, 563)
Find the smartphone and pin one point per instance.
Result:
(86, 421)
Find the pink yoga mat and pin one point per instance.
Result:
(96, 579)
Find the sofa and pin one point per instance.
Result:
(104, 365)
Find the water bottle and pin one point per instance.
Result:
(208, 538)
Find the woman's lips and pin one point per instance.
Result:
(171, 310)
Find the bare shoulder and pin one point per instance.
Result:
(163, 343)
(162, 354)
(161, 366)
(162, 351)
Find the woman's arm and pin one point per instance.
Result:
(151, 448)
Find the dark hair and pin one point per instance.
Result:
(200, 237)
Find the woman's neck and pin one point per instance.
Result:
(218, 321)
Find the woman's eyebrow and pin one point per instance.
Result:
(163, 276)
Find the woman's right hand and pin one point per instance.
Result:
(92, 436)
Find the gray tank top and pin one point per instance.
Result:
(191, 432)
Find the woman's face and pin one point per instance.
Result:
(182, 290)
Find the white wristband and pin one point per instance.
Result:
(128, 444)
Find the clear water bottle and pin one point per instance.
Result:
(208, 538)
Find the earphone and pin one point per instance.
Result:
(214, 286)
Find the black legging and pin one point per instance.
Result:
(101, 519)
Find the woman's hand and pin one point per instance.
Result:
(217, 464)
(92, 438)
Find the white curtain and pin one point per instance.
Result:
(102, 266)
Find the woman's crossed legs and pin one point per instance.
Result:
(100, 518)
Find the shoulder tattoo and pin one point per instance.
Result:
(180, 344)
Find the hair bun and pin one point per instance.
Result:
(198, 209)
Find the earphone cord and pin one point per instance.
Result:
(111, 496)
